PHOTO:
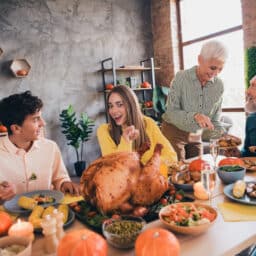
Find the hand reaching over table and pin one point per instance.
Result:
(70, 187)
(203, 121)
(7, 191)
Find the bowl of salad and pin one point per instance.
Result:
(188, 218)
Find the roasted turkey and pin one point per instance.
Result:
(119, 182)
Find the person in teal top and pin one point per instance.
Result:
(194, 101)
(249, 148)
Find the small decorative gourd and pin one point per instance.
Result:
(197, 165)
(231, 161)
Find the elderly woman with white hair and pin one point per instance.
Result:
(194, 101)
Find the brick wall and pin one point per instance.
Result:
(249, 22)
(165, 40)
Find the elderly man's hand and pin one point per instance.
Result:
(203, 121)
(71, 187)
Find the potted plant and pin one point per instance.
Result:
(250, 64)
(77, 132)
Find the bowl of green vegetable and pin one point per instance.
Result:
(231, 173)
(123, 232)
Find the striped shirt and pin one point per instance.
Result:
(187, 97)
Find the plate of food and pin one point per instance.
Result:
(249, 163)
(89, 214)
(182, 180)
(229, 141)
(188, 218)
(25, 202)
(247, 192)
(68, 216)
(173, 195)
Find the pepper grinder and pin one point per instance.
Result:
(49, 230)
(59, 223)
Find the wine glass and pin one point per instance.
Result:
(214, 151)
(208, 179)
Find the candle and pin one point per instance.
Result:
(22, 228)
(199, 191)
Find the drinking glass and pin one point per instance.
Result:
(208, 179)
(214, 150)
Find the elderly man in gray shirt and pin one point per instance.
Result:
(194, 101)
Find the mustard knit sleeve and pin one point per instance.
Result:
(168, 154)
(107, 145)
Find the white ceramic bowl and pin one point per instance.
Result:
(187, 230)
(15, 240)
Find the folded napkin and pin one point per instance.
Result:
(68, 199)
(237, 212)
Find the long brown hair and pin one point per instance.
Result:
(134, 116)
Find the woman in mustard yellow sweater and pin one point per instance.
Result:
(129, 129)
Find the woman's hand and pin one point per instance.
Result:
(130, 133)
(7, 191)
(203, 121)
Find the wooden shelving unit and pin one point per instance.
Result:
(147, 65)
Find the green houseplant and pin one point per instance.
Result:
(250, 64)
(77, 132)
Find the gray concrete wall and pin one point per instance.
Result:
(64, 41)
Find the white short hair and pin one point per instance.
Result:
(214, 50)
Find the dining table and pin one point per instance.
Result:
(223, 238)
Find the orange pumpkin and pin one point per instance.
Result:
(197, 165)
(5, 222)
(231, 161)
(157, 241)
(82, 242)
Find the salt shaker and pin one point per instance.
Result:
(49, 230)
(59, 223)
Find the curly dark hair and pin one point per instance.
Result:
(15, 108)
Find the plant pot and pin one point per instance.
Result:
(79, 167)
